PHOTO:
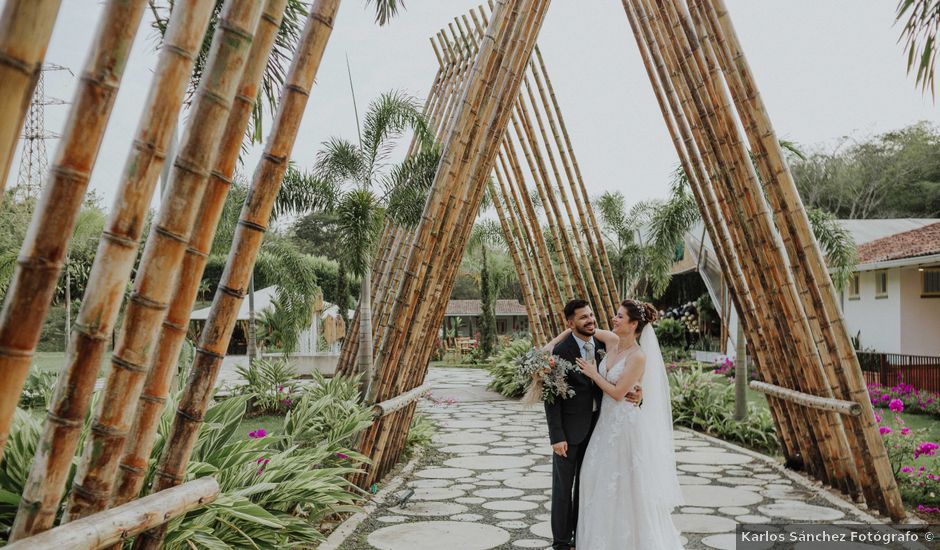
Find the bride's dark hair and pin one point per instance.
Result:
(641, 312)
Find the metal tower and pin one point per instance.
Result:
(34, 159)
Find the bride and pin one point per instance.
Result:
(629, 485)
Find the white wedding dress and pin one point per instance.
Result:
(627, 493)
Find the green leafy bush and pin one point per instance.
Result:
(270, 385)
(506, 378)
(420, 434)
(37, 391)
(670, 332)
(701, 403)
(276, 489)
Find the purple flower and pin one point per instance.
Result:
(905, 430)
(884, 430)
(926, 448)
(342, 456)
(885, 397)
(896, 405)
(907, 470)
(877, 418)
(258, 434)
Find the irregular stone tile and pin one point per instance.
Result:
(543, 517)
(800, 511)
(512, 524)
(506, 451)
(698, 468)
(542, 468)
(752, 518)
(464, 449)
(462, 438)
(429, 508)
(711, 457)
(444, 473)
(692, 480)
(768, 477)
(497, 475)
(734, 510)
(392, 519)
(535, 498)
(509, 515)
(707, 475)
(470, 500)
(531, 543)
(698, 510)
(721, 542)
(432, 493)
(434, 535)
(530, 482)
(469, 424)
(488, 483)
(467, 480)
(498, 493)
(488, 462)
(429, 483)
(543, 529)
(742, 481)
(509, 505)
(464, 486)
(702, 523)
(713, 495)
(693, 443)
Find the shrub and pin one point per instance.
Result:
(269, 384)
(670, 332)
(702, 403)
(275, 489)
(915, 401)
(506, 378)
(420, 434)
(919, 482)
(37, 391)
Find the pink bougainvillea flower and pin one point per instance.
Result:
(896, 405)
(884, 430)
(343, 456)
(907, 470)
(877, 418)
(927, 448)
(258, 434)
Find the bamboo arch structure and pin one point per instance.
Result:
(493, 107)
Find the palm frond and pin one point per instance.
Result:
(387, 117)
(408, 184)
(385, 10)
(360, 219)
(303, 192)
(921, 23)
(340, 161)
(836, 243)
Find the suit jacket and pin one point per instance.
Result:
(573, 419)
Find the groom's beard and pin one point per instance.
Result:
(585, 333)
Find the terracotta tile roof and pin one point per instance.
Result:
(474, 308)
(909, 244)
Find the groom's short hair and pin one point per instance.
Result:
(574, 305)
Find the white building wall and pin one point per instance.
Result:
(878, 319)
(920, 319)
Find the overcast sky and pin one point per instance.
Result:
(826, 69)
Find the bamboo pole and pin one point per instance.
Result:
(113, 263)
(389, 406)
(604, 261)
(792, 218)
(512, 80)
(25, 30)
(742, 238)
(162, 258)
(153, 396)
(849, 408)
(114, 526)
(746, 189)
(680, 130)
(251, 226)
(454, 198)
(43, 252)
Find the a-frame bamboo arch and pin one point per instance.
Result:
(495, 112)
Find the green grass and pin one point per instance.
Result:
(449, 365)
(53, 361)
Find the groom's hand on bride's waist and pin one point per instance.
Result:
(635, 396)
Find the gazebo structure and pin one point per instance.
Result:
(494, 111)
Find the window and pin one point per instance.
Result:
(930, 282)
(881, 284)
(854, 287)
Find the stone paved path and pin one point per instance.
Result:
(486, 482)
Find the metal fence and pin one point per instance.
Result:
(888, 369)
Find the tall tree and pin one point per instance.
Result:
(486, 233)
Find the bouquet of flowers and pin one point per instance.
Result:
(549, 376)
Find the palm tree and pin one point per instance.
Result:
(921, 20)
(356, 183)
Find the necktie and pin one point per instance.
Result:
(588, 351)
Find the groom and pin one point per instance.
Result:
(571, 421)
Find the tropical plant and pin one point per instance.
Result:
(355, 182)
(269, 384)
(703, 403)
(486, 233)
(921, 19)
(670, 332)
(37, 391)
(275, 488)
(420, 434)
(504, 372)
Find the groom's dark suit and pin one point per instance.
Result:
(571, 420)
